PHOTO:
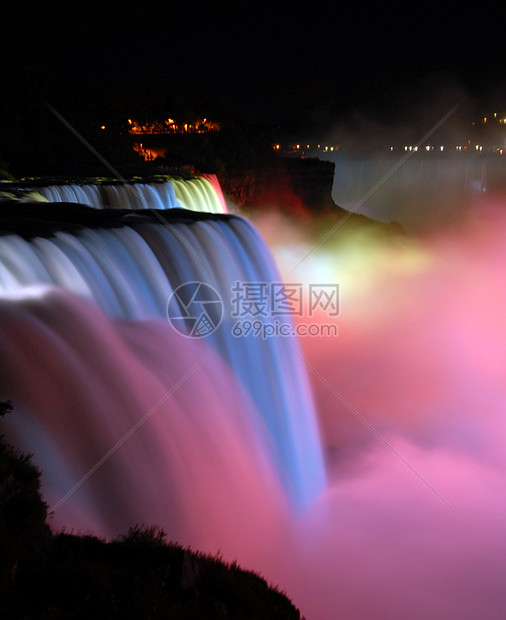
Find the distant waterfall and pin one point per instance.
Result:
(420, 191)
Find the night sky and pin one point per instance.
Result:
(270, 62)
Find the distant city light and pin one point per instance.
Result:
(170, 126)
(495, 142)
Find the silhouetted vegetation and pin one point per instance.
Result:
(23, 530)
(140, 575)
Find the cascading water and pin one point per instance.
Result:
(214, 438)
(201, 193)
(427, 189)
(87, 351)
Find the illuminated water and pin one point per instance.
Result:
(406, 520)
(411, 398)
(421, 191)
(201, 193)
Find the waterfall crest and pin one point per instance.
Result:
(202, 193)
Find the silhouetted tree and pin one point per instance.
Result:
(23, 529)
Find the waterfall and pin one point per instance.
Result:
(137, 412)
(201, 193)
(421, 191)
(88, 353)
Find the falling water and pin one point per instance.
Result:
(215, 438)
(202, 193)
(87, 351)
(421, 191)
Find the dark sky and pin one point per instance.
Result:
(269, 61)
